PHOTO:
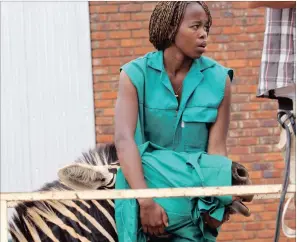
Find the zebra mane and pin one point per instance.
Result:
(102, 154)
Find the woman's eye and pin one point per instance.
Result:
(196, 26)
(206, 28)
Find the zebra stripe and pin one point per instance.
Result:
(38, 221)
(52, 217)
(65, 211)
(106, 213)
(18, 235)
(90, 219)
(32, 231)
(111, 203)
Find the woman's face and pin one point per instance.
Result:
(191, 37)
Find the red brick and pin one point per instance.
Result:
(108, 43)
(239, 115)
(255, 29)
(142, 50)
(240, 98)
(108, 112)
(232, 30)
(100, 53)
(261, 149)
(233, 125)
(261, 132)
(104, 138)
(246, 88)
(119, 34)
(248, 124)
(145, 24)
(267, 234)
(224, 55)
(249, 106)
(148, 6)
(104, 121)
(102, 86)
(131, 42)
(140, 33)
(243, 235)
(239, 150)
(100, 70)
(256, 62)
(131, 25)
(109, 61)
(130, 7)
(248, 141)
(119, 17)
(141, 16)
(251, 158)
(256, 174)
(103, 103)
(240, 133)
(108, 26)
(223, 236)
(279, 165)
(105, 129)
(104, 9)
(108, 95)
(98, 35)
(214, 47)
(236, 63)
(262, 115)
(232, 227)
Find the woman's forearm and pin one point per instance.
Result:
(130, 162)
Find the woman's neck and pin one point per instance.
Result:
(175, 61)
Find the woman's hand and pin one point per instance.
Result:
(153, 217)
(213, 223)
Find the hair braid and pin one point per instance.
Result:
(165, 21)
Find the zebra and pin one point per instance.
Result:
(74, 221)
(92, 220)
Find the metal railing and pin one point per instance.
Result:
(11, 199)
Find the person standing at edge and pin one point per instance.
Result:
(278, 82)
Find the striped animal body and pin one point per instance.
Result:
(79, 221)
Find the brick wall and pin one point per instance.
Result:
(120, 33)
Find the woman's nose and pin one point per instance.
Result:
(203, 34)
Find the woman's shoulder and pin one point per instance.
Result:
(211, 66)
(136, 69)
(140, 62)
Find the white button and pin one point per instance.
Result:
(182, 124)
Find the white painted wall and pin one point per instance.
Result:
(47, 113)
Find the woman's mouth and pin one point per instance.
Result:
(203, 45)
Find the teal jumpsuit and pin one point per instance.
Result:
(172, 141)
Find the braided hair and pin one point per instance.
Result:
(166, 19)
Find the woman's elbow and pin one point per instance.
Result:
(122, 141)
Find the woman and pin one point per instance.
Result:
(171, 123)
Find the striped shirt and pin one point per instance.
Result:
(277, 74)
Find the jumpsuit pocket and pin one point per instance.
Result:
(195, 121)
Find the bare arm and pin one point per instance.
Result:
(219, 130)
(272, 4)
(153, 216)
(126, 113)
